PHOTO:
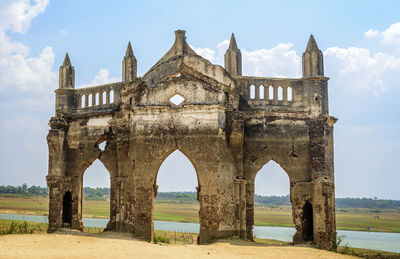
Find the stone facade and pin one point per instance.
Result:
(228, 126)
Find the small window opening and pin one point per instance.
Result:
(177, 99)
(280, 93)
(102, 145)
(271, 92)
(289, 94)
(83, 101)
(262, 94)
(252, 92)
(90, 99)
(111, 96)
(104, 97)
(97, 99)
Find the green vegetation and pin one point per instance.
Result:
(24, 190)
(21, 227)
(102, 194)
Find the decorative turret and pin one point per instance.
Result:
(313, 63)
(67, 74)
(129, 65)
(233, 58)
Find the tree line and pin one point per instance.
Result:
(191, 197)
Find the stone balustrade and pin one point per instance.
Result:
(97, 98)
(271, 91)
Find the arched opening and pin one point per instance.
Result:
(307, 221)
(97, 97)
(280, 93)
(272, 206)
(262, 89)
(111, 96)
(177, 192)
(83, 101)
(252, 92)
(90, 99)
(67, 209)
(270, 92)
(289, 94)
(96, 195)
(104, 97)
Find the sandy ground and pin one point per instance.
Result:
(113, 245)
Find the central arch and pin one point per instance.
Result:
(178, 175)
(95, 192)
(272, 195)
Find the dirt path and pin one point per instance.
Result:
(113, 245)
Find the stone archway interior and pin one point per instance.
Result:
(96, 176)
(308, 222)
(176, 174)
(67, 209)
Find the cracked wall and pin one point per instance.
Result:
(227, 136)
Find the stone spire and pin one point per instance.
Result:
(129, 65)
(232, 43)
(313, 61)
(67, 74)
(233, 58)
(179, 48)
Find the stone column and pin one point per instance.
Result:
(250, 209)
(321, 150)
(55, 184)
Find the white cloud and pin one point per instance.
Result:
(17, 15)
(357, 69)
(205, 53)
(392, 34)
(101, 78)
(18, 71)
(371, 33)
(28, 73)
(280, 61)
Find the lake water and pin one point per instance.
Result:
(371, 240)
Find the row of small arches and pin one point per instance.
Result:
(274, 93)
(99, 98)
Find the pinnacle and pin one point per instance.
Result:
(67, 61)
(232, 43)
(129, 51)
(312, 44)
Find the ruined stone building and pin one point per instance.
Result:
(228, 125)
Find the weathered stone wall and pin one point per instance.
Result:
(226, 134)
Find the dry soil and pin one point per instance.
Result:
(114, 245)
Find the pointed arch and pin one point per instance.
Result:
(96, 175)
(280, 184)
(168, 154)
(252, 92)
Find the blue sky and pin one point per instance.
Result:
(360, 41)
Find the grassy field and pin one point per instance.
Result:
(349, 219)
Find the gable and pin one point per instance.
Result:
(193, 90)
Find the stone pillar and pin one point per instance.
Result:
(300, 193)
(240, 210)
(321, 151)
(55, 184)
(250, 209)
